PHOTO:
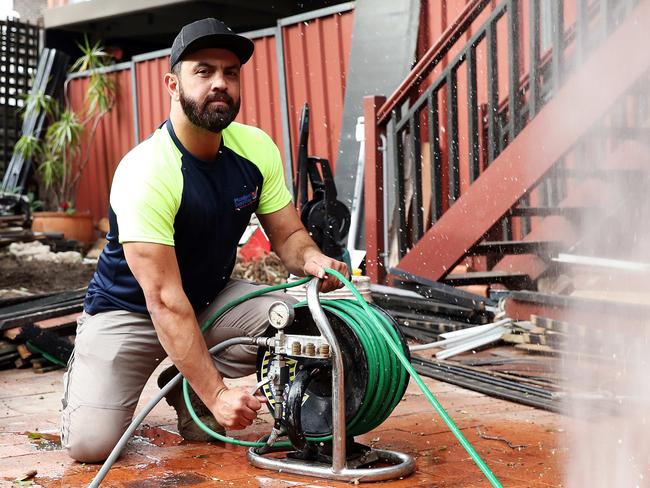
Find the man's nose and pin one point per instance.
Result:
(219, 81)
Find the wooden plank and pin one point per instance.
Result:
(21, 363)
(538, 348)
(58, 322)
(55, 323)
(24, 352)
(47, 369)
(35, 317)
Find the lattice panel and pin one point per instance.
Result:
(19, 51)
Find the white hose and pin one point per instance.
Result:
(115, 453)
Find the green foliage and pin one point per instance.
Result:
(39, 101)
(34, 204)
(62, 152)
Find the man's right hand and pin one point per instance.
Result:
(236, 408)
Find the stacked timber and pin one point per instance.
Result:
(38, 332)
(540, 335)
(17, 228)
(424, 315)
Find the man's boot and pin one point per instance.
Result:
(187, 428)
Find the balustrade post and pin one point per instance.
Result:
(374, 190)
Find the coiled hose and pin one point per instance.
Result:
(375, 333)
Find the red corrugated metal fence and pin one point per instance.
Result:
(315, 52)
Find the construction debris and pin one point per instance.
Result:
(463, 340)
(39, 331)
(39, 252)
(424, 318)
(265, 268)
(499, 385)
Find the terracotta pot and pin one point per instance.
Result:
(78, 226)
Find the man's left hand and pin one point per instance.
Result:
(315, 264)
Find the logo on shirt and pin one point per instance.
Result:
(245, 200)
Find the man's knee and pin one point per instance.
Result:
(89, 434)
(90, 449)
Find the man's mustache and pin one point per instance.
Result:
(220, 97)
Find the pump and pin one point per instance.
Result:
(326, 382)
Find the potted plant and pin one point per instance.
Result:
(62, 152)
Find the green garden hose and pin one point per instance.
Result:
(375, 333)
(49, 357)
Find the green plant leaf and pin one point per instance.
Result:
(92, 56)
(62, 150)
(28, 146)
(39, 101)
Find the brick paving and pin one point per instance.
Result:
(522, 445)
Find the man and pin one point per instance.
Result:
(178, 206)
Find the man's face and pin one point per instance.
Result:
(208, 83)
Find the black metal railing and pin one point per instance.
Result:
(496, 108)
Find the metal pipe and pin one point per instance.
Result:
(112, 457)
(402, 465)
(383, 253)
(338, 381)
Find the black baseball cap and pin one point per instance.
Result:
(206, 33)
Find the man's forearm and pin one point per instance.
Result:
(180, 336)
(294, 251)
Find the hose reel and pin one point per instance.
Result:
(313, 374)
(328, 377)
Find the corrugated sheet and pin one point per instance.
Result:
(260, 91)
(316, 60)
(316, 53)
(153, 99)
(113, 139)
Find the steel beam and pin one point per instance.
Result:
(537, 148)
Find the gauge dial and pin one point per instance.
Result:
(280, 314)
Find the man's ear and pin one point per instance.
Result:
(172, 85)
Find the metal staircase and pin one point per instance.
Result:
(497, 159)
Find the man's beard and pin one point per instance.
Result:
(213, 119)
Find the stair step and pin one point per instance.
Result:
(486, 248)
(569, 212)
(640, 133)
(510, 280)
(634, 174)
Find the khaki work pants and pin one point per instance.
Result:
(116, 352)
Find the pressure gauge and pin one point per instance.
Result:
(280, 314)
